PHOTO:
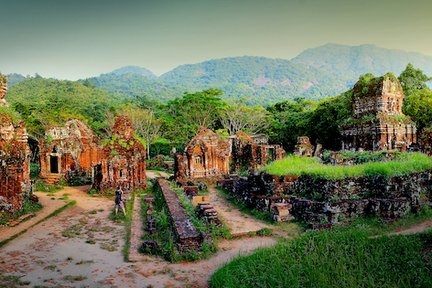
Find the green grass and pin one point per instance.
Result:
(376, 226)
(128, 223)
(406, 163)
(41, 186)
(336, 258)
(28, 207)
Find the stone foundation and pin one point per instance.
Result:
(188, 238)
(317, 200)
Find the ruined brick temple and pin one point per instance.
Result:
(68, 149)
(304, 147)
(206, 155)
(14, 158)
(248, 152)
(377, 120)
(209, 156)
(123, 159)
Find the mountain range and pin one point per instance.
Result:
(316, 73)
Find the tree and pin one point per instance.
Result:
(418, 105)
(184, 116)
(239, 117)
(413, 79)
(145, 124)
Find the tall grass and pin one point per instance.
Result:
(406, 163)
(334, 259)
(128, 225)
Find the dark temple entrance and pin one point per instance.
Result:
(54, 164)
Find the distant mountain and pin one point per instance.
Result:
(132, 85)
(262, 80)
(134, 70)
(348, 62)
(316, 73)
(15, 79)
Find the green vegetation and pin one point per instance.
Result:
(10, 114)
(128, 223)
(39, 185)
(174, 123)
(12, 281)
(46, 102)
(164, 236)
(28, 207)
(337, 258)
(363, 156)
(406, 163)
(314, 74)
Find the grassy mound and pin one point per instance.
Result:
(406, 163)
(334, 259)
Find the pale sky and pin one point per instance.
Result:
(72, 39)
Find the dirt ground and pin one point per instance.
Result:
(239, 223)
(82, 247)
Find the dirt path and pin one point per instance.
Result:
(238, 222)
(413, 229)
(50, 204)
(82, 247)
(78, 247)
(153, 174)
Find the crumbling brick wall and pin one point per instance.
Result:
(68, 149)
(317, 200)
(304, 147)
(123, 160)
(188, 238)
(14, 164)
(206, 156)
(249, 152)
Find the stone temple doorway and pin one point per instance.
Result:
(54, 164)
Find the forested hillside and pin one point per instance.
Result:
(315, 74)
(44, 102)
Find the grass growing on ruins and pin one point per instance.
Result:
(41, 186)
(336, 258)
(406, 163)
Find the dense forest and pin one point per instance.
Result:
(44, 102)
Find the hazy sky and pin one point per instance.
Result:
(72, 39)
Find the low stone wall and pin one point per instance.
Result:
(188, 238)
(318, 200)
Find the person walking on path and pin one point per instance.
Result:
(118, 200)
